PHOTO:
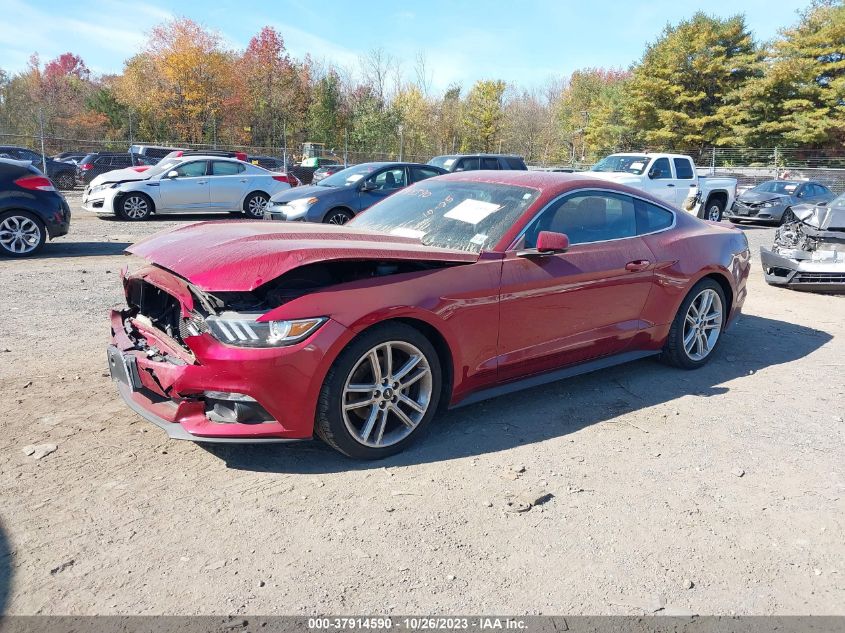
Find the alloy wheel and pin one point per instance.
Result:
(255, 206)
(702, 324)
(714, 213)
(135, 207)
(19, 234)
(338, 218)
(387, 394)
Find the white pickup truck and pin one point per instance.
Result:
(671, 177)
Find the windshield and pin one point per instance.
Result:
(444, 162)
(348, 176)
(162, 167)
(617, 162)
(777, 186)
(467, 216)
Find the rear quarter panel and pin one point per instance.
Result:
(684, 255)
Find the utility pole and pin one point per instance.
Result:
(346, 147)
(130, 128)
(43, 156)
(401, 142)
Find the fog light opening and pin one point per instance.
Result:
(234, 408)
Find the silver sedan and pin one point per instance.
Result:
(773, 201)
(186, 184)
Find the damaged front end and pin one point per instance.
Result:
(808, 254)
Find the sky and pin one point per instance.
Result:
(462, 41)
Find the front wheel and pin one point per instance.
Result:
(788, 217)
(697, 328)
(337, 216)
(21, 234)
(380, 393)
(134, 207)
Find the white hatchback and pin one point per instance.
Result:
(186, 185)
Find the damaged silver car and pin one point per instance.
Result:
(809, 253)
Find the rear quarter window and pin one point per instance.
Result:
(651, 218)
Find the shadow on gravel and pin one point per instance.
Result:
(57, 250)
(5, 569)
(560, 408)
(176, 217)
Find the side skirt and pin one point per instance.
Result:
(554, 376)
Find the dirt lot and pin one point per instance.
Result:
(716, 491)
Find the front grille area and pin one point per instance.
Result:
(819, 278)
(164, 311)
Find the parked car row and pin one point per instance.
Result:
(62, 174)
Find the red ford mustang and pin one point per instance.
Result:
(456, 289)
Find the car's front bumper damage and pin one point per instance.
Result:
(826, 275)
(200, 389)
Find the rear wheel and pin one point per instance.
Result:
(697, 328)
(134, 207)
(380, 393)
(65, 180)
(255, 203)
(21, 234)
(337, 216)
(714, 210)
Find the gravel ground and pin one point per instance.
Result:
(715, 491)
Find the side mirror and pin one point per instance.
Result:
(173, 174)
(368, 185)
(823, 203)
(548, 243)
(652, 174)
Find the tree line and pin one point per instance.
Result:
(703, 82)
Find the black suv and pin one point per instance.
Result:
(98, 163)
(62, 174)
(31, 210)
(473, 162)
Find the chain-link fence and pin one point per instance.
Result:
(750, 166)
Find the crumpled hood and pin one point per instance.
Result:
(821, 217)
(240, 256)
(755, 197)
(119, 175)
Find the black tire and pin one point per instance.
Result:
(787, 217)
(734, 221)
(714, 209)
(133, 206)
(65, 180)
(254, 205)
(674, 352)
(329, 422)
(337, 216)
(32, 238)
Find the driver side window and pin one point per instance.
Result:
(390, 179)
(592, 216)
(194, 169)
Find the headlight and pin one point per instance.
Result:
(302, 203)
(244, 330)
(769, 205)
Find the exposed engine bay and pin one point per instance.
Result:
(810, 252)
(152, 307)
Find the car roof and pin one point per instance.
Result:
(16, 163)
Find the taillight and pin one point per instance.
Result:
(141, 168)
(86, 166)
(240, 156)
(281, 178)
(41, 183)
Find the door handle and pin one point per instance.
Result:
(670, 185)
(243, 179)
(637, 265)
(202, 182)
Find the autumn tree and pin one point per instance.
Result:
(182, 78)
(483, 116)
(798, 94)
(678, 94)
